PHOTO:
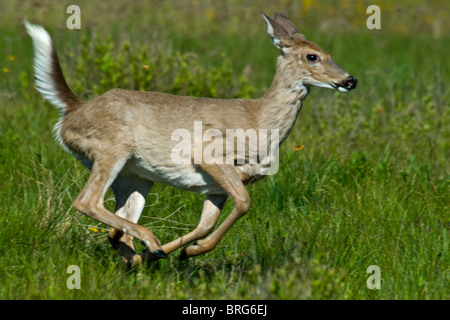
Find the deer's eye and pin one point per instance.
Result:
(312, 58)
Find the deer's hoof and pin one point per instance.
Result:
(150, 256)
(184, 255)
(159, 254)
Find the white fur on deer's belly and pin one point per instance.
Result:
(184, 177)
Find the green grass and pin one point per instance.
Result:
(370, 187)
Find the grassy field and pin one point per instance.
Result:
(369, 187)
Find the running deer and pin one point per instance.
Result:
(126, 140)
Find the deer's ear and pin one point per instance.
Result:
(285, 23)
(278, 34)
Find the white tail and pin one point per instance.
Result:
(127, 140)
(50, 81)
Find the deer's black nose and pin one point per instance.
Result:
(350, 83)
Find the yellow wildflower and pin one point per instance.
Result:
(209, 14)
(380, 109)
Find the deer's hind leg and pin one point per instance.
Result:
(90, 202)
(130, 193)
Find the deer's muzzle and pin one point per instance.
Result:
(347, 85)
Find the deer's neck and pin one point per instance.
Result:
(281, 104)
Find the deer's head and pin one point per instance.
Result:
(306, 61)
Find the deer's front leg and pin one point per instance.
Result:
(211, 209)
(228, 179)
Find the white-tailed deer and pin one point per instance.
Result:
(125, 139)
